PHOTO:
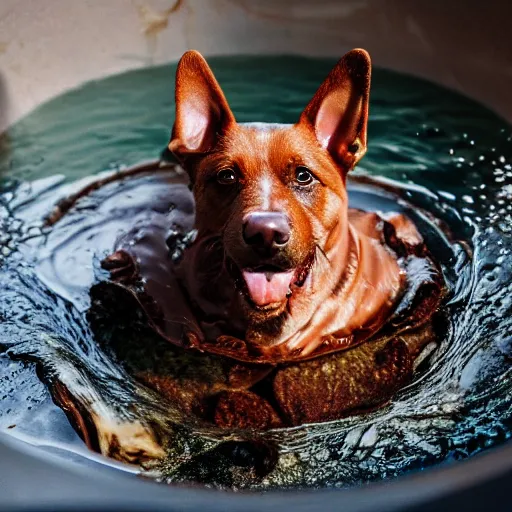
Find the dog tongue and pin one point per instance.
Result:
(267, 287)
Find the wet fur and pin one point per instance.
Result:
(334, 262)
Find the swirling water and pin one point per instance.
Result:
(444, 157)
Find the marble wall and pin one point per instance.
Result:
(47, 46)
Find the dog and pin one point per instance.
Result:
(278, 251)
(281, 276)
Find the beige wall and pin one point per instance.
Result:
(47, 46)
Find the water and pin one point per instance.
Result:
(453, 161)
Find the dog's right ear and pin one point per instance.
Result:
(202, 112)
(338, 112)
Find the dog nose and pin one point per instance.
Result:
(266, 230)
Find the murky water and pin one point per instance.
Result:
(453, 161)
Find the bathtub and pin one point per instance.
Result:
(47, 47)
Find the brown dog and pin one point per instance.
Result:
(307, 273)
(281, 277)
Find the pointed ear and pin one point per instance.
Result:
(202, 112)
(338, 113)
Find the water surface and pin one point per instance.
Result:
(450, 159)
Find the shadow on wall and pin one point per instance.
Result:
(4, 139)
(3, 101)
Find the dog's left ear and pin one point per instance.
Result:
(202, 112)
(338, 112)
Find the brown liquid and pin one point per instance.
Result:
(143, 279)
(364, 300)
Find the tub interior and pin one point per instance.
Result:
(67, 45)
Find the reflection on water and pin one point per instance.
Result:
(454, 161)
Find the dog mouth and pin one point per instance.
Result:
(269, 286)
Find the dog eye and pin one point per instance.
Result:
(303, 175)
(227, 177)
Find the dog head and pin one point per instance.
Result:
(274, 195)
